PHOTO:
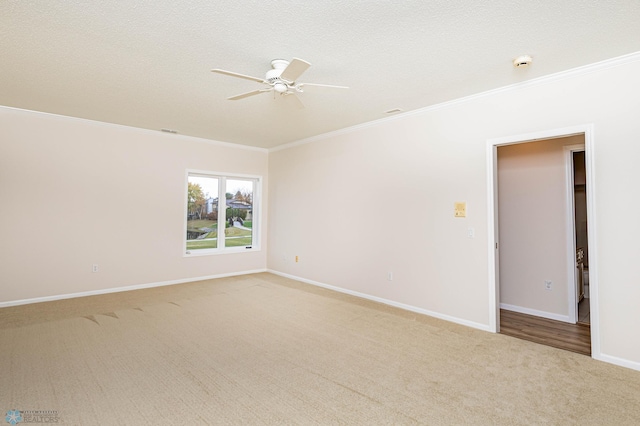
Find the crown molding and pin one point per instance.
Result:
(551, 78)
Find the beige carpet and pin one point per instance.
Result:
(261, 349)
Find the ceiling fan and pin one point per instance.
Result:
(281, 78)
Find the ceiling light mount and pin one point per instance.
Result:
(522, 61)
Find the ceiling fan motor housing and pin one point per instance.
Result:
(273, 76)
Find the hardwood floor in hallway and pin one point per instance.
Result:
(562, 335)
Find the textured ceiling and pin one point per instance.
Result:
(147, 63)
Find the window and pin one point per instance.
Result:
(221, 213)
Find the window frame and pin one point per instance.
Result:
(222, 212)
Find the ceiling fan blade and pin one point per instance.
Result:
(235, 74)
(295, 69)
(246, 95)
(293, 100)
(330, 86)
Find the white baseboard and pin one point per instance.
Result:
(618, 361)
(120, 289)
(479, 326)
(535, 312)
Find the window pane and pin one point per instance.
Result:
(239, 226)
(202, 213)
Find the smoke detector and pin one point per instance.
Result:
(522, 61)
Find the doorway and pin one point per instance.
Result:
(494, 232)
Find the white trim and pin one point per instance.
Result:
(492, 249)
(586, 69)
(594, 283)
(159, 132)
(406, 307)
(583, 70)
(220, 251)
(570, 212)
(125, 288)
(492, 194)
(535, 312)
(222, 219)
(619, 361)
(209, 173)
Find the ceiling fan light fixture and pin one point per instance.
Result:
(280, 87)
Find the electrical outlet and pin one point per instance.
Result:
(471, 232)
(389, 276)
(547, 285)
(94, 268)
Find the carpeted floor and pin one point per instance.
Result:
(262, 349)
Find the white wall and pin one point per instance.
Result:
(75, 192)
(359, 203)
(532, 188)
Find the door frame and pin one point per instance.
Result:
(492, 219)
(572, 283)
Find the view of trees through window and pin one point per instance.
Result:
(215, 222)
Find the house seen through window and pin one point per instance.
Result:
(220, 213)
